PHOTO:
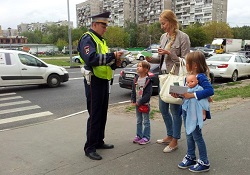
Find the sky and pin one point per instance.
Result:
(15, 12)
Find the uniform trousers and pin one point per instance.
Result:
(97, 94)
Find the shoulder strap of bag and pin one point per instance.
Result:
(147, 81)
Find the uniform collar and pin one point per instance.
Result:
(91, 30)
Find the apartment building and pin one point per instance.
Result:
(121, 11)
(86, 9)
(202, 11)
(139, 11)
(148, 11)
(23, 27)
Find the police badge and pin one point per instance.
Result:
(86, 50)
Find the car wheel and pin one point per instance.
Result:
(54, 80)
(234, 76)
(124, 64)
(77, 60)
(141, 58)
(211, 78)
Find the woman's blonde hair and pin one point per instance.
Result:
(199, 59)
(171, 17)
(174, 26)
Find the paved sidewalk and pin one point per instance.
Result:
(56, 147)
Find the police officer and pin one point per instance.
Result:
(98, 67)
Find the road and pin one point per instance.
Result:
(25, 105)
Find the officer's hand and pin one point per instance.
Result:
(118, 55)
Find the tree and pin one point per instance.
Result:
(143, 36)
(217, 30)
(241, 32)
(33, 37)
(155, 31)
(131, 29)
(116, 37)
(197, 35)
(61, 43)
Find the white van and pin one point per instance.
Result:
(21, 68)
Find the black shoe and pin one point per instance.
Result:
(93, 156)
(105, 146)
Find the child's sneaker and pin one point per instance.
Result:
(200, 166)
(143, 141)
(186, 162)
(136, 139)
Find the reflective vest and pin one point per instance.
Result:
(103, 71)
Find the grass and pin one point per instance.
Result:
(226, 93)
(60, 62)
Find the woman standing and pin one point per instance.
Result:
(174, 45)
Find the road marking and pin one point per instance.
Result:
(71, 115)
(19, 109)
(10, 98)
(76, 78)
(15, 103)
(7, 94)
(25, 117)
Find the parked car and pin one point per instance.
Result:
(126, 77)
(124, 61)
(140, 55)
(22, 68)
(245, 53)
(210, 52)
(76, 59)
(205, 51)
(230, 66)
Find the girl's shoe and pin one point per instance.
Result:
(136, 139)
(200, 166)
(187, 162)
(143, 141)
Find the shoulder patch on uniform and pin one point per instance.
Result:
(86, 50)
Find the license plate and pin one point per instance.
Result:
(129, 75)
(212, 67)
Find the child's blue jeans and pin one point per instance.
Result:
(142, 124)
(195, 137)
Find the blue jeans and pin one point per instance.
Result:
(173, 120)
(142, 119)
(195, 137)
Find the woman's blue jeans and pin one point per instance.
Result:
(172, 118)
(142, 124)
(195, 137)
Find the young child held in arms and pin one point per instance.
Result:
(196, 65)
(141, 93)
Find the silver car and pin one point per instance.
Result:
(230, 66)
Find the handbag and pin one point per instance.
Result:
(143, 108)
(170, 79)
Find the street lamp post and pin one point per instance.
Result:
(69, 33)
(9, 29)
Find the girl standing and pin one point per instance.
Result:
(196, 65)
(141, 93)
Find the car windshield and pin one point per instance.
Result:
(219, 58)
